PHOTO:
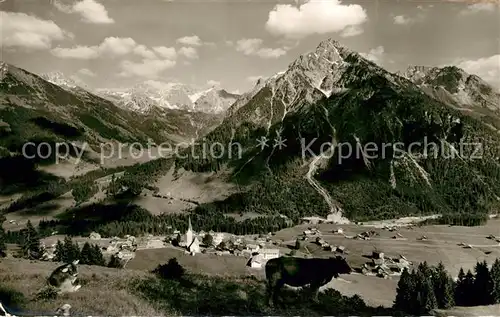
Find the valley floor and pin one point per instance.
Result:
(106, 291)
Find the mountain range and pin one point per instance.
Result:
(333, 97)
(150, 95)
(327, 100)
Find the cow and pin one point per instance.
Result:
(297, 272)
(65, 278)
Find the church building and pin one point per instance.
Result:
(192, 242)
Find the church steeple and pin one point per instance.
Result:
(189, 233)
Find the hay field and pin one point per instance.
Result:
(442, 243)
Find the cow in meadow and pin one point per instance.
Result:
(299, 272)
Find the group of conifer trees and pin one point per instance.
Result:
(427, 288)
(67, 251)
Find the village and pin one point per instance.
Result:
(378, 252)
(256, 250)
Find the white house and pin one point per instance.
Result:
(268, 254)
(252, 247)
(256, 261)
(218, 238)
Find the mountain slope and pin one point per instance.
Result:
(26, 97)
(214, 101)
(453, 86)
(331, 100)
(35, 110)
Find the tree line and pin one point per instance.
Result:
(421, 291)
(66, 251)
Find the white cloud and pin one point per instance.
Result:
(479, 7)
(270, 52)
(407, 20)
(248, 46)
(28, 32)
(352, 30)
(148, 68)
(166, 52)
(145, 52)
(402, 20)
(314, 17)
(213, 83)
(188, 52)
(91, 11)
(110, 46)
(117, 45)
(190, 40)
(375, 55)
(253, 47)
(86, 72)
(76, 52)
(488, 68)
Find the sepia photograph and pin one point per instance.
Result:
(249, 158)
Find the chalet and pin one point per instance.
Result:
(268, 254)
(340, 249)
(339, 231)
(377, 255)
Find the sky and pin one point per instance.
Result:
(231, 43)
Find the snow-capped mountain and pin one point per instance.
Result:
(170, 96)
(213, 100)
(58, 78)
(68, 83)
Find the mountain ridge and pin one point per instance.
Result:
(347, 99)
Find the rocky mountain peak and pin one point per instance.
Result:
(59, 79)
(453, 86)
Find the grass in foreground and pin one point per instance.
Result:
(214, 295)
(104, 292)
(114, 292)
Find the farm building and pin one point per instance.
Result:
(268, 254)
(256, 261)
(377, 255)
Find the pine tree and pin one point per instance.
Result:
(460, 289)
(3, 247)
(468, 289)
(30, 244)
(59, 252)
(443, 287)
(71, 250)
(114, 262)
(405, 293)
(495, 279)
(425, 289)
(96, 256)
(208, 240)
(482, 285)
(86, 254)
